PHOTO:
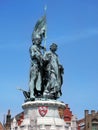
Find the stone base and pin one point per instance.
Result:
(43, 115)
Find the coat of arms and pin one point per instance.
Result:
(42, 110)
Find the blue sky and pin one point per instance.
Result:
(73, 25)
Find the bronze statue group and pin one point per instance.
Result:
(45, 79)
(45, 72)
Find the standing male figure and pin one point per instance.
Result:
(35, 82)
(54, 73)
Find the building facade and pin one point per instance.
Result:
(1, 126)
(89, 122)
(7, 124)
(70, 119)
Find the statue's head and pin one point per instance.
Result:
(36, 38)
(53, 47)
(36, 41)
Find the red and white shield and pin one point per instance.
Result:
(42, 110)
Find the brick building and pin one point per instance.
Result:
(69, 118)
(7, 125)
(89, 122)
(1, 126)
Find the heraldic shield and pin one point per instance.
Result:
(43, 110)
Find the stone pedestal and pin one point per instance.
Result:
(43, 115)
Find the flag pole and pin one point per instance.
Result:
(45, 9)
